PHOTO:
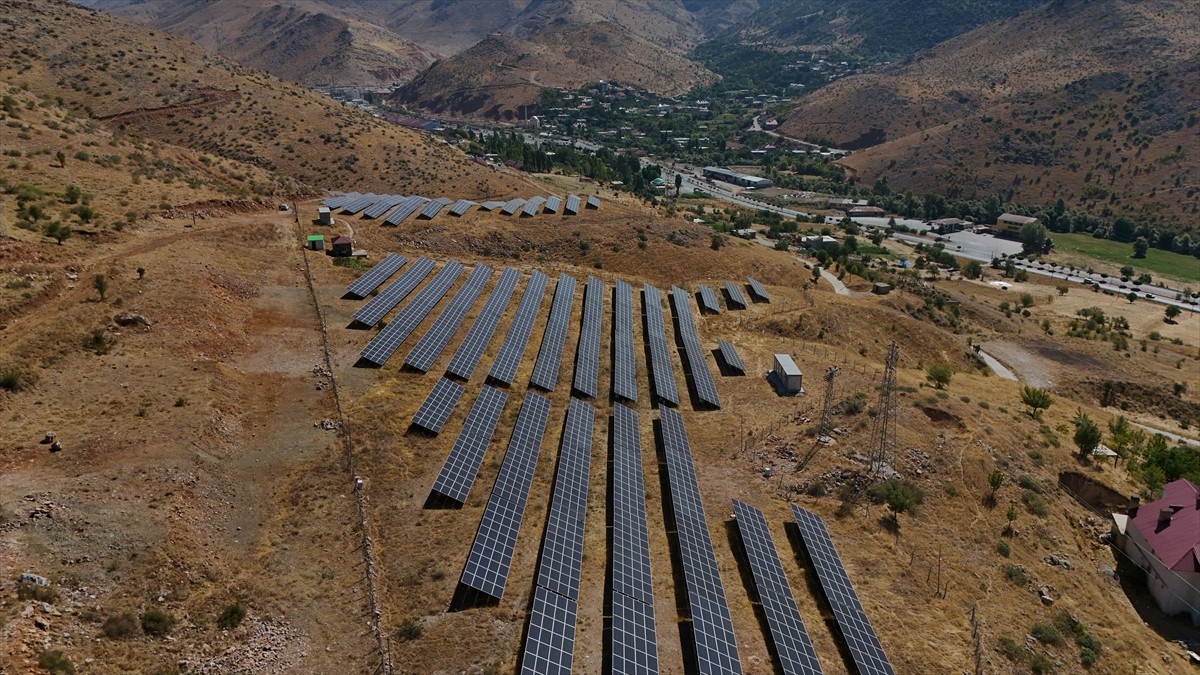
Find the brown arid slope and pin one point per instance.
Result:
(159, 86)
(1084, 101)
(497, 78)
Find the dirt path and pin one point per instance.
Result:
(1022, 363)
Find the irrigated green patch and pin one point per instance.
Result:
(1156, 262)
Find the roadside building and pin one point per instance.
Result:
(866, 212)
(846, 204)
(744, 180)
(1011, 222)
(948, 225)
(1163, 538)
(818, 241)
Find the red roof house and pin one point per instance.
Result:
(1163, 538)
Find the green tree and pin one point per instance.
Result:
(62, 158)
(1131, 296)
(1126, 272)
(57, 231)
(973, 270)
(900, 495)
(1171, 313)
(1033, 238)
(1037, 400)
(995, 479)
(678, 183)
(716, 241)
(1140, 246)
(72, 194)
(939, 374)
(1062, 290)
(1087, 434)
(100, 283)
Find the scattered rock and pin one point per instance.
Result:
(328, 425)
(131, 319)
(1057, 560)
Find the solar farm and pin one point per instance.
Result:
(493, 399)
(397, 209)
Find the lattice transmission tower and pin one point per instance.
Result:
(883, 434)
(824, 428)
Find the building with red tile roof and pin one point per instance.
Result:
(1163, 538)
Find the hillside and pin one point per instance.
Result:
(498, 76)
(163, 87)
(1077, 100)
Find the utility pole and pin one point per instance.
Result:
(824, 427)
(883, 434)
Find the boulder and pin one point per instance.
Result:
(131, 319)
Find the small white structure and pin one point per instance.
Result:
(787, 374)
(324, 217)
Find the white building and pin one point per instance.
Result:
(1163, 538)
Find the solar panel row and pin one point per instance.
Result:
(382, 206)
(377, 307)
(708, 300)
(633, 640)
(587, 353)
(712, 628)
(662, 374)
(532, 206)
(438, 405)
(354, 206)
(730, 356)
(433, 207)
(490, 559)
(757, 290)
(504, 369)
(706, 389)
(491, 206)
(407, 208)
(510, 207)
(593, 202)
(552, 204)
(550, 642)
(624, 363)
(387, 341)
(341, 200)
(865, 649)
(793, 648)
(545, 369)
(379, 273)
(572, 207)
(734, 296)
(430, 346)
(471, 349)
(462, 464)
(461, 206)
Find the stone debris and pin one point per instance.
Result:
(328, 425)
(131, 319)
(1057, 560)
(267, 646)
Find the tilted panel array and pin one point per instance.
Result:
(377, 307)
(433, 207)
(734, 295)
(353, 207)
(708, 300)
(504, 369)
(593, 202)
(382, 206)
(462, 464)
(532, 206)
(634, 643)
(545, 369)
(572, 207)
(552, 204)
(512, 206)
(374, 277)
(857, 633)
(624, 363)
(461, 206)
(387, 341)
(757, 290)
(706, 388)
(730, 355)
(339, 201)
(491, 554)
(661, 370)
(407, 208)
(491, 206)
(549, 645)
(712, 628)
(438, 405)
(792, 645)
(471, 349)
(430, 346)
(587, 353)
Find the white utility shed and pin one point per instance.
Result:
(788, 374)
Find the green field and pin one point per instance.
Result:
(1156, 262)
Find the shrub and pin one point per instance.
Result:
(1012, 650)
(853, 405)
(1046, 634)
(1003, 548)
(1034, 502)
(157, 622)
(410, 630)
(231, 617)
(13, 380)
(98, 342)
(55, 662)
(119, 626)
(1040, 664)
(31, 591)
(1030, 483)
(1016, 574)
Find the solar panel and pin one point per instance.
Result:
(630, 546)
(504, 369)
(634, 640)
(491, 206)
(407, 208)
(552, 204)
(382, 206)
(697, 364)
(510, 207)
(593, 202)
(550, 642)
(374, 277)
(587, 353)
(757, 290)
(339, 201)
(433, 207)
(865, 648)
(545, 369)
(708, 300)
(733, 295)
(378, 306)
(562, 544)
(469, 351)
(491, 554)
(532, 206)
(662, 373)
(730, 356)
(438, 405)
(462, 465)
(624, 364)
(793, 648)
(430, 346)
(572, 207)
(461, 206)
(354, 206)
(712, 628)
(387, 341)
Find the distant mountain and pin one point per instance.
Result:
(1090, 101)
(501, 75)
